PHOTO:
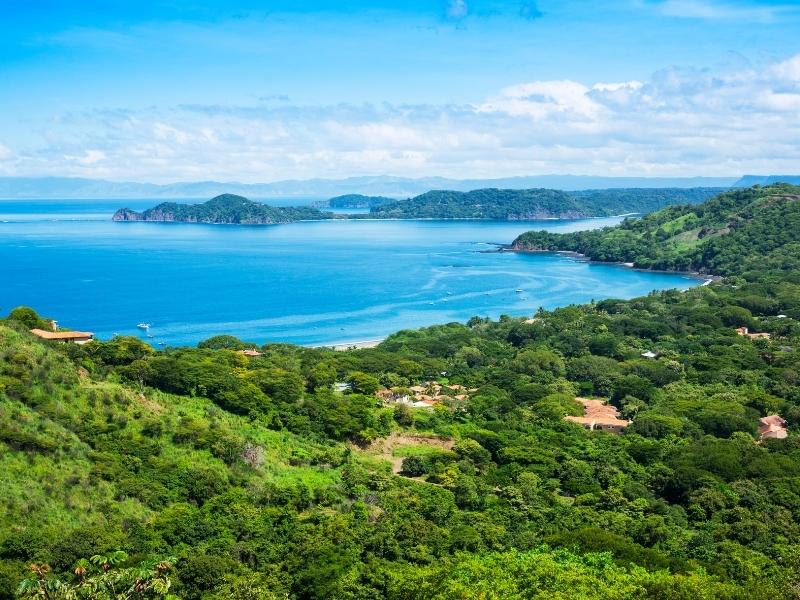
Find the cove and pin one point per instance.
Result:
(313, 283)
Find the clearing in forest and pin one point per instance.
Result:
(398, 445)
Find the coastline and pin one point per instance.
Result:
(357, 345)
(707, 278)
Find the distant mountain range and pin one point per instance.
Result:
(322, 189)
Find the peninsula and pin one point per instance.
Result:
(741, 231)
(524, 205)
(223, 209)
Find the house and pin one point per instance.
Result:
(76, 337)
(389, 396)
(649, 354)
(342, 386)
(422, 404)
(599, 416)
(746, 332)
(249, 352)
(427, 394)
(772, 427)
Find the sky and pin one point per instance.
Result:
(249, 91)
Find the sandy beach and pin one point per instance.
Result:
(352, 345)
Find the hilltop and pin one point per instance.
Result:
(541, 203)
(358, 201)
(223, 209)
(749, 232)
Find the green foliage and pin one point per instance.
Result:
(263, 482)
(226, 208)
(28, 318)
(102, 577)
(749, 232)
(515, 205)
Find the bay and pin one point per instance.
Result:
(312, 283)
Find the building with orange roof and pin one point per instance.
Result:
(76, 337)
(599, 416)
(772, 427)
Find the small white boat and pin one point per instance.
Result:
(519, 290)
(143, 325)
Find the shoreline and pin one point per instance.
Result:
(356, 217)
(707, 278)
(356, 345)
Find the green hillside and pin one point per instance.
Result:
(226, 209)
(242, 476)
(358, 201)
(516, 205)
(749, 232)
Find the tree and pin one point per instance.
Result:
(28, 317)
(102, 578)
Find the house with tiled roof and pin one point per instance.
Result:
(772, 427)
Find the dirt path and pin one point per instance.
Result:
(384, 448)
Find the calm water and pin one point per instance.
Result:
(307, 283)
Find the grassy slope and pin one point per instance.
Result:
(762, 223)
(62, 436)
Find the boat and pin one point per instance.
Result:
(143, 325)
(519, 290)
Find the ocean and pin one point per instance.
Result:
(312, 283)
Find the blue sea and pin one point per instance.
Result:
(313, 283)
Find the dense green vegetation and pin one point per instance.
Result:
(489, 204)
(358, 201)
(515, 205)
(260, 480)
(750, 231)
(224, 209)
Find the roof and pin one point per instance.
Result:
(598, 421)
(62, 335)
(773, 420)
(598, 412)
(249, 352)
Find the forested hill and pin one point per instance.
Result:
(358, 201)
(234, 471)
(515, 205)
(750, 231)
(224, 209)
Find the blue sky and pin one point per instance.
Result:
(258, 91)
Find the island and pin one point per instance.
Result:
(358, 201)
(524, 205)
(484, 204)
(224, 209)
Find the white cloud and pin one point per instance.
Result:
(723, 10)
(677, 122)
